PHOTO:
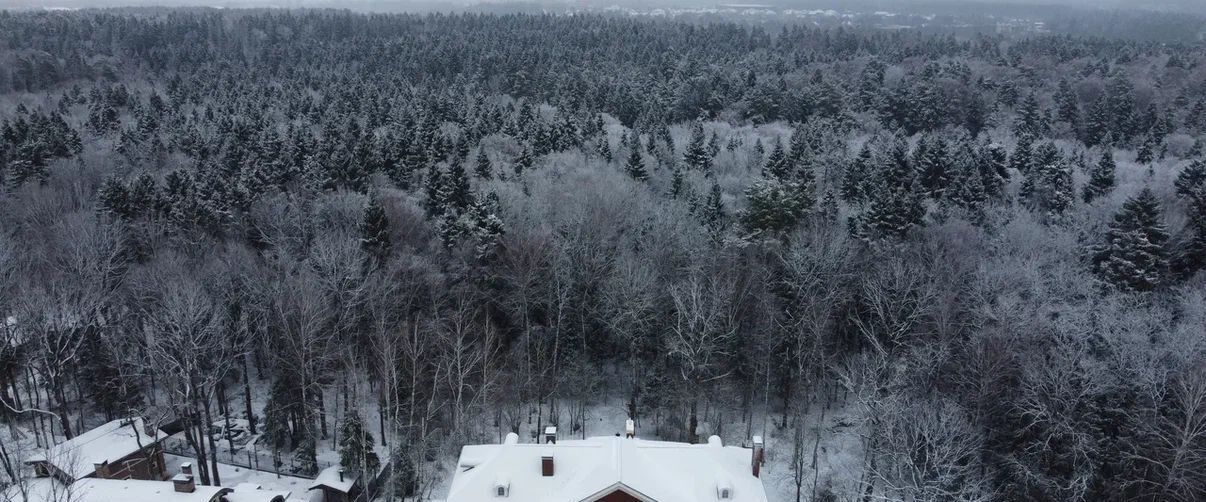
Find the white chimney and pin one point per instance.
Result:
(629, 428)
(550, 434)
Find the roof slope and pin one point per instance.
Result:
(329, 478)
(131, 490)
(586, 469)
(78, 456)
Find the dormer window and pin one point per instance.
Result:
(725, 494)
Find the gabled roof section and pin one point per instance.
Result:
(78, 456)
(589, 469)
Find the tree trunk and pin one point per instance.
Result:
(213, 448)
(247, 396)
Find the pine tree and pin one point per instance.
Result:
(1147, 150)
(933, 166)
(696, 155)
(1066, 102)
(635, 167)
(1134, 257)
(1192, 256)
(356, 453)
(605, 148)
(457, 192)
(483, 169)
(1031, 120)
(1021, 155)
(523, 161)
(712, 213)
(1097, 128)
(676, 183)
(1101, 178)
(776, 165)
(374, 230)
(1192, 179)
(856, 181)
(1048, 187)
(775, 206)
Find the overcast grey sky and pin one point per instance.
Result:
(427, 5)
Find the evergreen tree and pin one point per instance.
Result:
(776, 165)
(1067, 104)
(696, 155)
(457, 193)
(605, 148)
(856, 181)
(1192, 179)
(676, 183)
(1021, 155)
(483, 169)
(1192, 255)
(1134, 257)
(1031, 120)
(933, 165)
(895, 204)
(356, 453)
(1097, 128)
(1147, 150)
(712, 213)
(1048, 187)
(523, 161)
(1101, 178)
(635, 167)
(374, 231)
(775, 206)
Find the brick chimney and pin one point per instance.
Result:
(756, 457)
(184, 482)
(546, 465)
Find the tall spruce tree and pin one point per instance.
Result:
(1134, 256)
(356, 453)
(1192, 179)
(374, 231)
(635, 167)
(696, 155)
(1101, 177)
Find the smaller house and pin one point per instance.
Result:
(121, 449)
(335, 485)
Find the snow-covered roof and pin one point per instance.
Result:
(251, 492)
(132, 490)
(78, 456)
(329, 478)
(586, 469)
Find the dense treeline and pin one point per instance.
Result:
(982, 255)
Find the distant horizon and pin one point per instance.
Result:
(1186, 6)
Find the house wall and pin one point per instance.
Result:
(146, 464)
(619, 496)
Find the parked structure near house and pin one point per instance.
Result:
(336, 485)
(608, 469)
(121, 449)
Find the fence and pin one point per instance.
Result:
(249, 456)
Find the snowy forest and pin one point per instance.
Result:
(926, 267)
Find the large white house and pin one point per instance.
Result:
(608, 469)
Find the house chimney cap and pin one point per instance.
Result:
(715, 440)
(757, 440)
(552, 429)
